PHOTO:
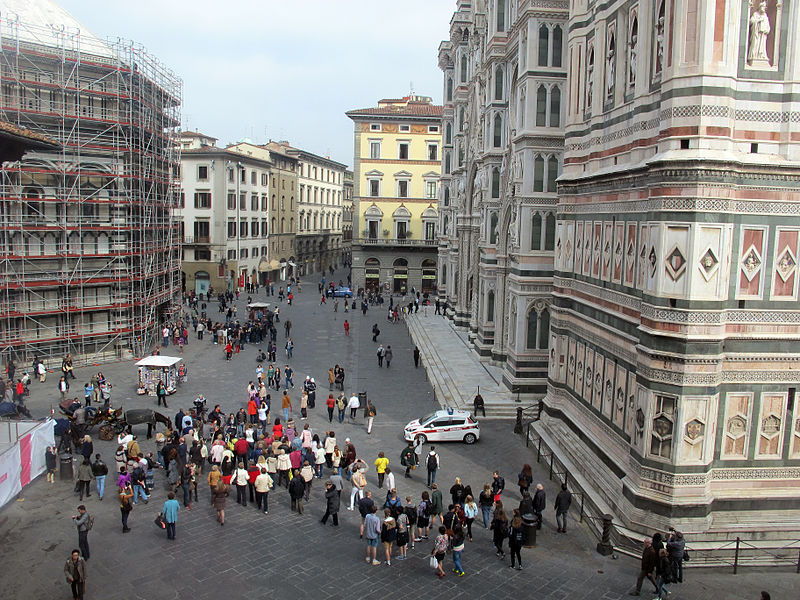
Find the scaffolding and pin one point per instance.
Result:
(89, 248)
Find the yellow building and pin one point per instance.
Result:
(397, 166)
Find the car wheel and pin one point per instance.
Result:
(421, 438)
(470, 438)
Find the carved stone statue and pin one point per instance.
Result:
(632, 62)
(610, 72)
(517, 167)
(589, 85)
(759, 30)
(512, 230)
(660, 44)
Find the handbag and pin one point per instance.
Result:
(433, 562)
(160, 522)
(686, 556)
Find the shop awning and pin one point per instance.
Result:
(266, 267)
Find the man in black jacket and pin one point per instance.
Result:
(563, 500)
(648, 564)
(539, 504)
(332, 504)
(297, 488)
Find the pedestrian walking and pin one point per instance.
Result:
(353, 404)
(372, 531)
(676, 549)
(125, 505)
(563, 501)
(375, 332)
(381, 352)
(416, 357)
(486, 502)
(371, 412)
(381, 463)
(286, 405)
(84, 523)
(297, 488)
(358, 481)
(50, 461)
(470, 513)
(648, 565)
(388, 355)
(499, 529)
(332, 502)
(437, 505)
(346, 327)
(99, 471)
(432, 465)
(539, 503)
(457, 546)
(170, 513)
(220, 500)
(84, 477)
(663, 570)
(330, 404)
(440, 546)
(498, 485)
(388, 534)
(515, 540)
(403, 528)
(408, 458)
(75, 572)
(240, 478)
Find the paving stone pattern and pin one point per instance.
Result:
(286, 555)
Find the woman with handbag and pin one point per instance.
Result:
(440, 546)
(220, 499)
(125, 506)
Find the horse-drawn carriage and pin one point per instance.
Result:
(112, 421)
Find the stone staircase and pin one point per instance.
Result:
(454, 369)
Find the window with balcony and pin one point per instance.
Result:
(202, 231)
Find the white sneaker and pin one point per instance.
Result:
(388, 563)
(375, 563)
(367, 559)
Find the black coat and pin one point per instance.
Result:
(297, 487)
(332, 499)
(539, 501)
(563, 500)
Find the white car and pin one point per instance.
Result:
(444, 426)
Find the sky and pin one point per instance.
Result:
(283, 69)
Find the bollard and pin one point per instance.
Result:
(65, 471)
(604, 546)
(518, 423)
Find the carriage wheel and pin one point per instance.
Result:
(106, 432)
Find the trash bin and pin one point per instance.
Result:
(529, 521)
(65, 471)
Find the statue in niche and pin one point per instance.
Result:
(759, 30)
(632, 65)
(590, 81)
(512, 230)
(610, 70)
(659, 44)
(518, 167)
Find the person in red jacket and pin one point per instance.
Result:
(228, 351)
(346, 327)
(240, 449)
(252, 410)
(330, 403)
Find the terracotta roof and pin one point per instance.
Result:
(196, 134)
(223, 151)
(412, 109)
(29, 138)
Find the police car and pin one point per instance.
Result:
(448, 425)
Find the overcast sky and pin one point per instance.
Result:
(283, 69)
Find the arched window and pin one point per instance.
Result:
(544, 43)
(497, 138)
(446, 195)
(552, 174)
(555, 107)
(498, 83)
(544, 330)
(272, 229)
(541, 106)
(538, 174)
(448, 133)
(495, 183)
(501, 15)
(447, 162)
(449, 89)
(493, 228)
(536, 232)
(557, 35)
(533, 327)
(463, 74)
(291, 224)
(490, 306)
(550, 232)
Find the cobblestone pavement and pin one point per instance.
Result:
(284, 554)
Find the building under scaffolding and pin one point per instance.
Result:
(89, 252)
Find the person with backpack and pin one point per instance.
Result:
(408, 458)
(100, 471)
(499, 529)
(403, 529)
(424, 511)
(432, 465)
(125, 505)
(358, 480)
(137, 480)
(410, 512)
(84, 523)
(515, 540)
(341, 405)
(388, 534)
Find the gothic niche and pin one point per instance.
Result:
(610, 62)
(659, 56)
(633, 50)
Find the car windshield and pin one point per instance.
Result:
(427, 418)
